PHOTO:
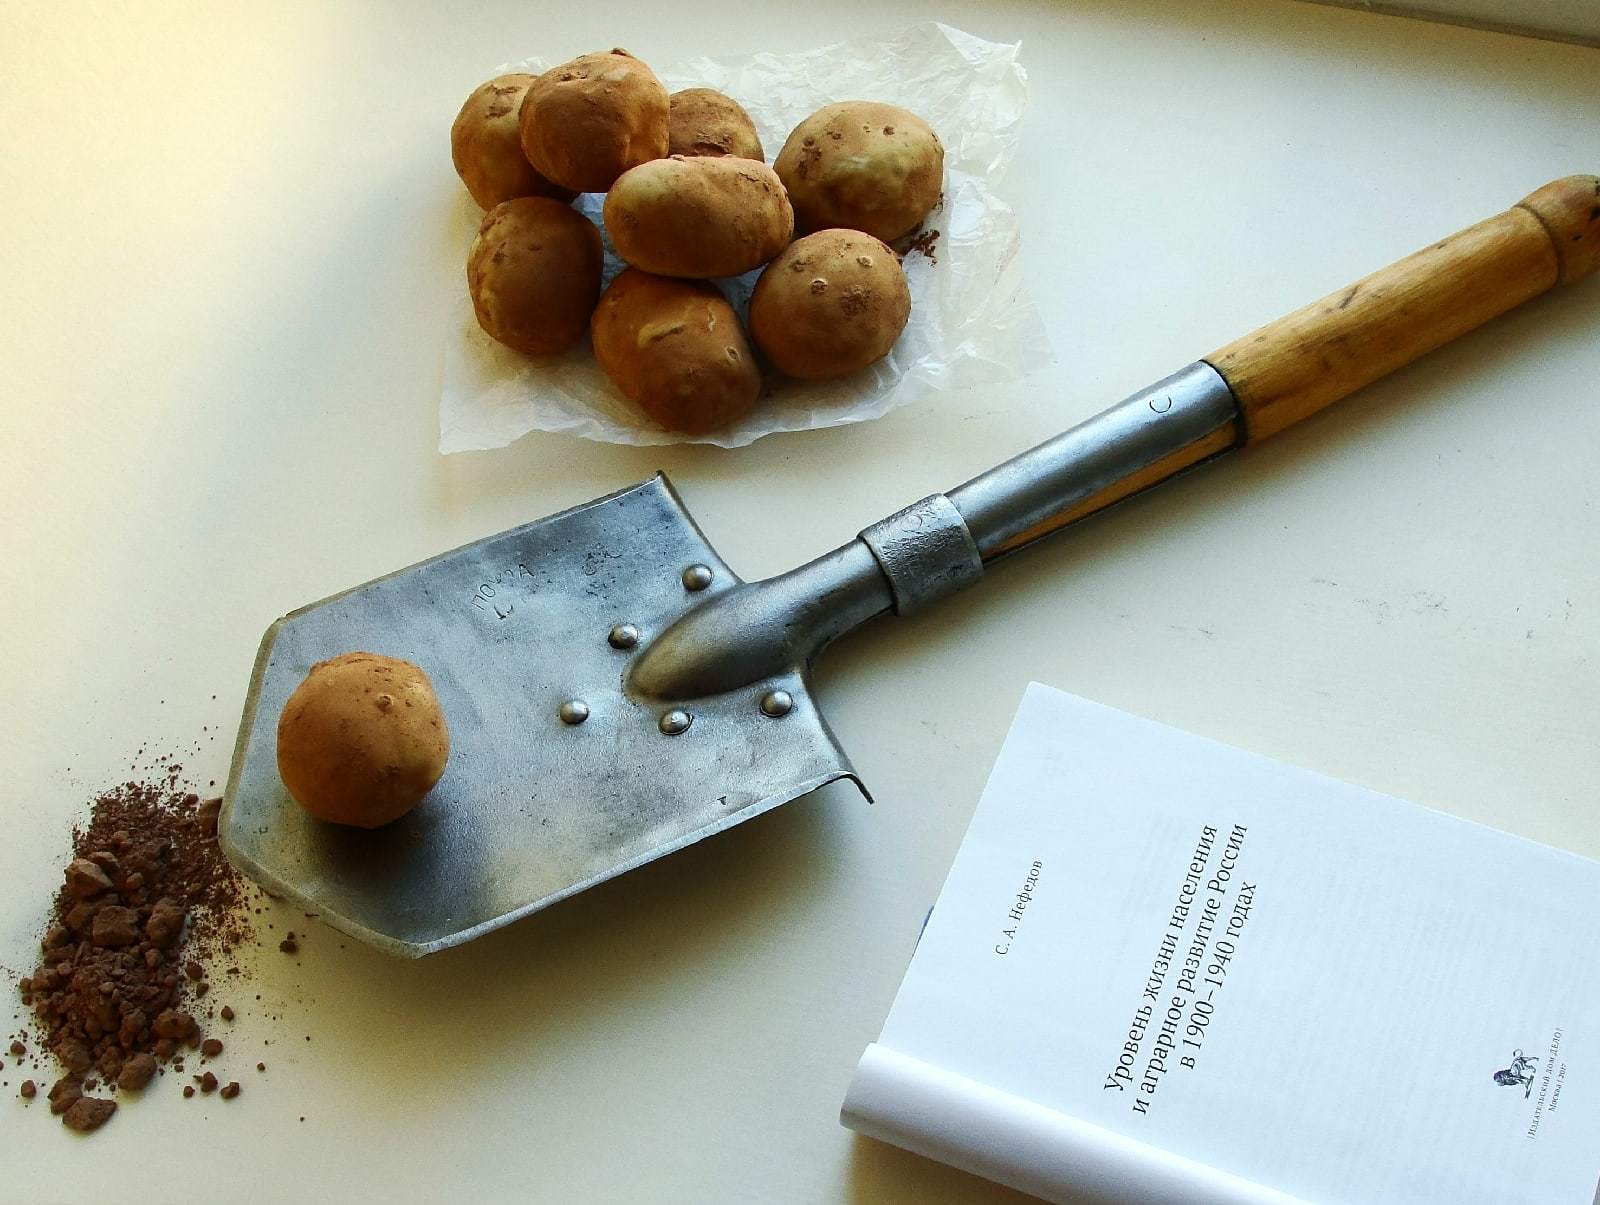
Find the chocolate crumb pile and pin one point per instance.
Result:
(147, 902)
(926, 242)
(922, 240)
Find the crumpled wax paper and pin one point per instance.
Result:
(971, 320)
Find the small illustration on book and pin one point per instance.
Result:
(1520, 1073)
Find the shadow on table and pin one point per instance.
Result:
(881, 1174)
(633, 947)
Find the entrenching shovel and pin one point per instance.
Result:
(615, 691)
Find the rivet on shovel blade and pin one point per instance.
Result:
(696, 577)
(676, 721)
(623, 636)
(574, 711)
(777, 703)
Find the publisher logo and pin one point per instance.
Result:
(1542, 1079)
(1520, 1074)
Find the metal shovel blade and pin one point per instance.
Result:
(532, 807)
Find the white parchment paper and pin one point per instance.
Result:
(971, 321)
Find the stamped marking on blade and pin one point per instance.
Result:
(496, 597)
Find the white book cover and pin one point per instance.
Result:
(1167, 970)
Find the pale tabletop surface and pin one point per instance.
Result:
(230, 237)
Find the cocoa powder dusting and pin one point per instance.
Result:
(147, 903)
(924, 241)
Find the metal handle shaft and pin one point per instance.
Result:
(1173, 425)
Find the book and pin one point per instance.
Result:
(1166, 970)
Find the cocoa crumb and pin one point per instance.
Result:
(164, 927)
(137, 1072)
(28, 1090)
(289, 946)
(208, 1082)
(227, 1013)
(18, 1050)
(64, 1093)
(211, 1048)
(230, 1090)
(84, 878)
(109, 1064)
(188, 1091)
(107, 862)
(88, 1114)
(175, 1025)
(115, 926)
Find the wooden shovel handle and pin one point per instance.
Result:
(1293, 367)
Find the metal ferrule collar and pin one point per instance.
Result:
(925, 552)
